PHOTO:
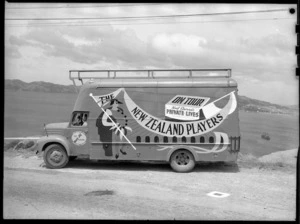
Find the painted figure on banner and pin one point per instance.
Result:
(108, 125)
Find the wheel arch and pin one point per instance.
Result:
(43, 143)
(54, 143)
(181, 147)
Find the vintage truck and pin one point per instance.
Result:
(151, 115)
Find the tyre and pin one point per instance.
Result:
(55, 156)
(182, 161)
(71, 158)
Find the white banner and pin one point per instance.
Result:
(214, 116)
(179, 129)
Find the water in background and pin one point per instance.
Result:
(26, 112)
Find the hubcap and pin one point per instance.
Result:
(182, 159)
(56, 156)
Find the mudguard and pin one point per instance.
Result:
(52, 139)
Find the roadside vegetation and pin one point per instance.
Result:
(29, 145)
(26, 148)
(274, 161)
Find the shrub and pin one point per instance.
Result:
(10, 144)
(265, 136)
(250, 161)
(19, 144)
(29, 144)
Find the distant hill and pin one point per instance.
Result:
(18, 85)
(245, 103)
(248, 104)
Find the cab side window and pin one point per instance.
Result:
(79, 119)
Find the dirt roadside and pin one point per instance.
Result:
(154, 191)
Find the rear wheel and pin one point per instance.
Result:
(182, 161)
(55, 156)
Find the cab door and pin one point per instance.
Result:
(78, 133)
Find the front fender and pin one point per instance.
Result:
(52, 139)
(176, 147)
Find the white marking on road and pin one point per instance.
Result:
(217, 194)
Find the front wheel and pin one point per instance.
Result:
(182, 161)
(55, 156)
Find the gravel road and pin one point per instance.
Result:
(143, 191)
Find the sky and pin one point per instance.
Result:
(258, 47)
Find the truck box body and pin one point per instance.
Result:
(150, 98)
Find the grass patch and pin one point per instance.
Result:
(250, 161)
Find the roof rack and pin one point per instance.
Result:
(150, 74)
